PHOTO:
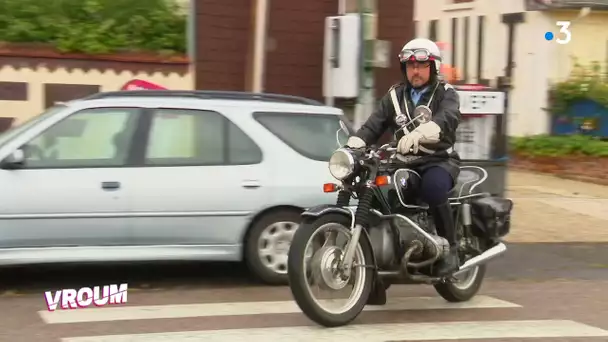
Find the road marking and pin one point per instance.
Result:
(127, 313)
(372, 332)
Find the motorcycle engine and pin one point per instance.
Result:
(383, 240)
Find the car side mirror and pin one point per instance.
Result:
(14, 160)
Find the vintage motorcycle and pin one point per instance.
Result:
(389, 236)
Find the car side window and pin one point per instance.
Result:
(187, 137)
(96, 137)
(311, 135)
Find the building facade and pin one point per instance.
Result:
(493, 38)
(293, 55)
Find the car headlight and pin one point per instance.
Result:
(341, 164)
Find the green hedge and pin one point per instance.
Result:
(555, 146)
(95, 26)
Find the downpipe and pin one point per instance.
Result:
(483, 258)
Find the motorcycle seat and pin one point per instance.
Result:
(467, 182)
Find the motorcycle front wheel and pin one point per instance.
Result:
(310, 269)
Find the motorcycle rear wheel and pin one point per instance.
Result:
(465, 289)
(297, 274)
(468, 284)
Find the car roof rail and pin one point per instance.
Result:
(206, 94)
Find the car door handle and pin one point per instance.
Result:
(110, 185)
(250, 184)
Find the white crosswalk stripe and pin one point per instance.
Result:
(372, 332)
(249, 308)
(482, 329)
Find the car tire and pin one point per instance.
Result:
(280, 225)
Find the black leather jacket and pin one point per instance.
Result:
(446, 114)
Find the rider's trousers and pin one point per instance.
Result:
(434, 190)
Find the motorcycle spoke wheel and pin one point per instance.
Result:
(314, 279)
(334, 291)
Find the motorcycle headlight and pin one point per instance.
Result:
(341, 164)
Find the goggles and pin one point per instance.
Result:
(418, 55)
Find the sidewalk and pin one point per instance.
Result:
(549, 209)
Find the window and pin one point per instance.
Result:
(311, 135)
(90, 138)
(17, 129)
(197, 137)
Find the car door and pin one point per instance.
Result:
(70, 191)
(202, 179)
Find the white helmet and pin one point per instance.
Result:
(421, 49)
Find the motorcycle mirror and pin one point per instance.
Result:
(344, 131)
(423, 114)
(343, 127)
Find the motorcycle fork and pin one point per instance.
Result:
(350, 249)
(357, 229)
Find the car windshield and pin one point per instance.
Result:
(311, 135)
(12, 132)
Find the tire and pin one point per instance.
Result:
(297, 277)
(254, 261)
(455, 293)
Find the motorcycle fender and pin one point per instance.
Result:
(324, 209)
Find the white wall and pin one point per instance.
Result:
(532, 55)
(108, 80)
(589, 41)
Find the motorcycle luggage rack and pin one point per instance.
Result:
(207, 95)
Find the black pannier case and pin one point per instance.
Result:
(492, 215)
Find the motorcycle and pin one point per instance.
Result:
(389, 236)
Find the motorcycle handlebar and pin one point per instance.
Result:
(390, 147)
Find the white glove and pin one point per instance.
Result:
(428, 132)
(409, 141)
(355, 142)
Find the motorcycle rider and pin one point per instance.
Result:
(432, 142)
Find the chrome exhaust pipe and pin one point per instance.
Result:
(482, 258)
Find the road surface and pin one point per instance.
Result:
(542, 290)
(549, 292)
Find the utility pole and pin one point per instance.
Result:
(367, 10)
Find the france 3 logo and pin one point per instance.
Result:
(564, 33)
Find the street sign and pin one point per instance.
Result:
(482, 102)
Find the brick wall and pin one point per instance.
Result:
(296, 33)
(295, 46)
(395, 24)
(223, 30)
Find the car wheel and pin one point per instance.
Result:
(268, 245)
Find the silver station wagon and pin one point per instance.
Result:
(165, 175)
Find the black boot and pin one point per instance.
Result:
(450, 263)
(444, 222)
